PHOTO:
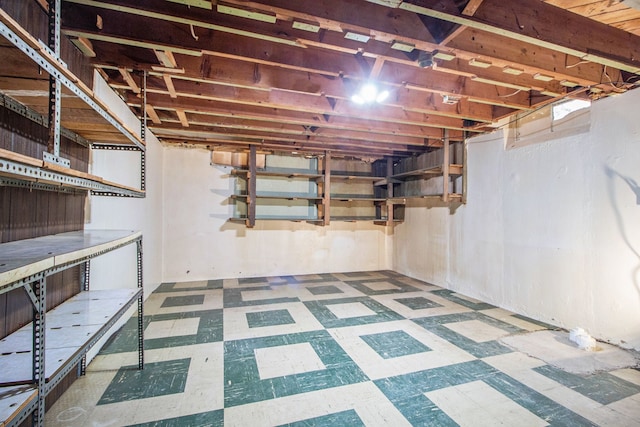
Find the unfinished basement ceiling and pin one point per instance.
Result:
(281, 74)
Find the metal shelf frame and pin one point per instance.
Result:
(31, 276)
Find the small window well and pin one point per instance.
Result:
(564, 108)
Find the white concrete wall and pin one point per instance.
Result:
(551, 230)
(145, 214)
(199, 242)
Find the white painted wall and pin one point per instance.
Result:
(551, 230)
(145, 214)
(199, 242)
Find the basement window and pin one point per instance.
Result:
(562, 109)
(561, 119)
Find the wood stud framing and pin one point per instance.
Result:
(224, 76)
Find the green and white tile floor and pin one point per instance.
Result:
(350, 349)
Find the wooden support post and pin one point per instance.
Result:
(445, 166)
(389, 191)
(326, 188)
(251, 184)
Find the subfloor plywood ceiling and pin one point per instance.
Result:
(282, 74)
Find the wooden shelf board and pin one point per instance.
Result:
(284, 174)
(294, 219)
(356, 198)
(454, 169)
(365, 178)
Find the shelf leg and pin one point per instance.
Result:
(445, 166)
(85, 271)
(251, 183)
(389, 206)
(326, 188)
(39, 328)
(140, 308)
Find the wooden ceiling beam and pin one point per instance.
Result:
(533, 59)
(242, 74)
(261, 113)
(311, 104)
(212, 131)
(378, 45)
(361, 149)
(330, 9)
(222, 144)
(270, 127)
(546, 26)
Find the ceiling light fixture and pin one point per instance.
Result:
(369, 94)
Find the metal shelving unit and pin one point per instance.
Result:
(31, 367)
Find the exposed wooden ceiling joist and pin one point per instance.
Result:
(283, 72)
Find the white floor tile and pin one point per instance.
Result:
(477, 404)
(286, 360)
(477, 330)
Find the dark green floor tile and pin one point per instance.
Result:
(233, 297)
(394, 344)
(602, 387)
(347, 418)
(321, 311)
(269, 318)
(242, 380)
(204, 419)
(324, 290)
(436, 324)
(357, 274)
(170, 287)
(126, 339)
(156, 379)
(389, 273)
(183, 300)
(310, 278)
(252, 280)
(418, 303)
(447, 294)
(361, 286)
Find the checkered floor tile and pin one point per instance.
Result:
(344, 349)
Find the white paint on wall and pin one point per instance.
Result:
(551, 230)
(200, 243)
(118, 269)
(145, 214)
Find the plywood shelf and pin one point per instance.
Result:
(283, 196)
(454, 169)
(265, 218)
(356, 198)
(364, 178)
(281, 173)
